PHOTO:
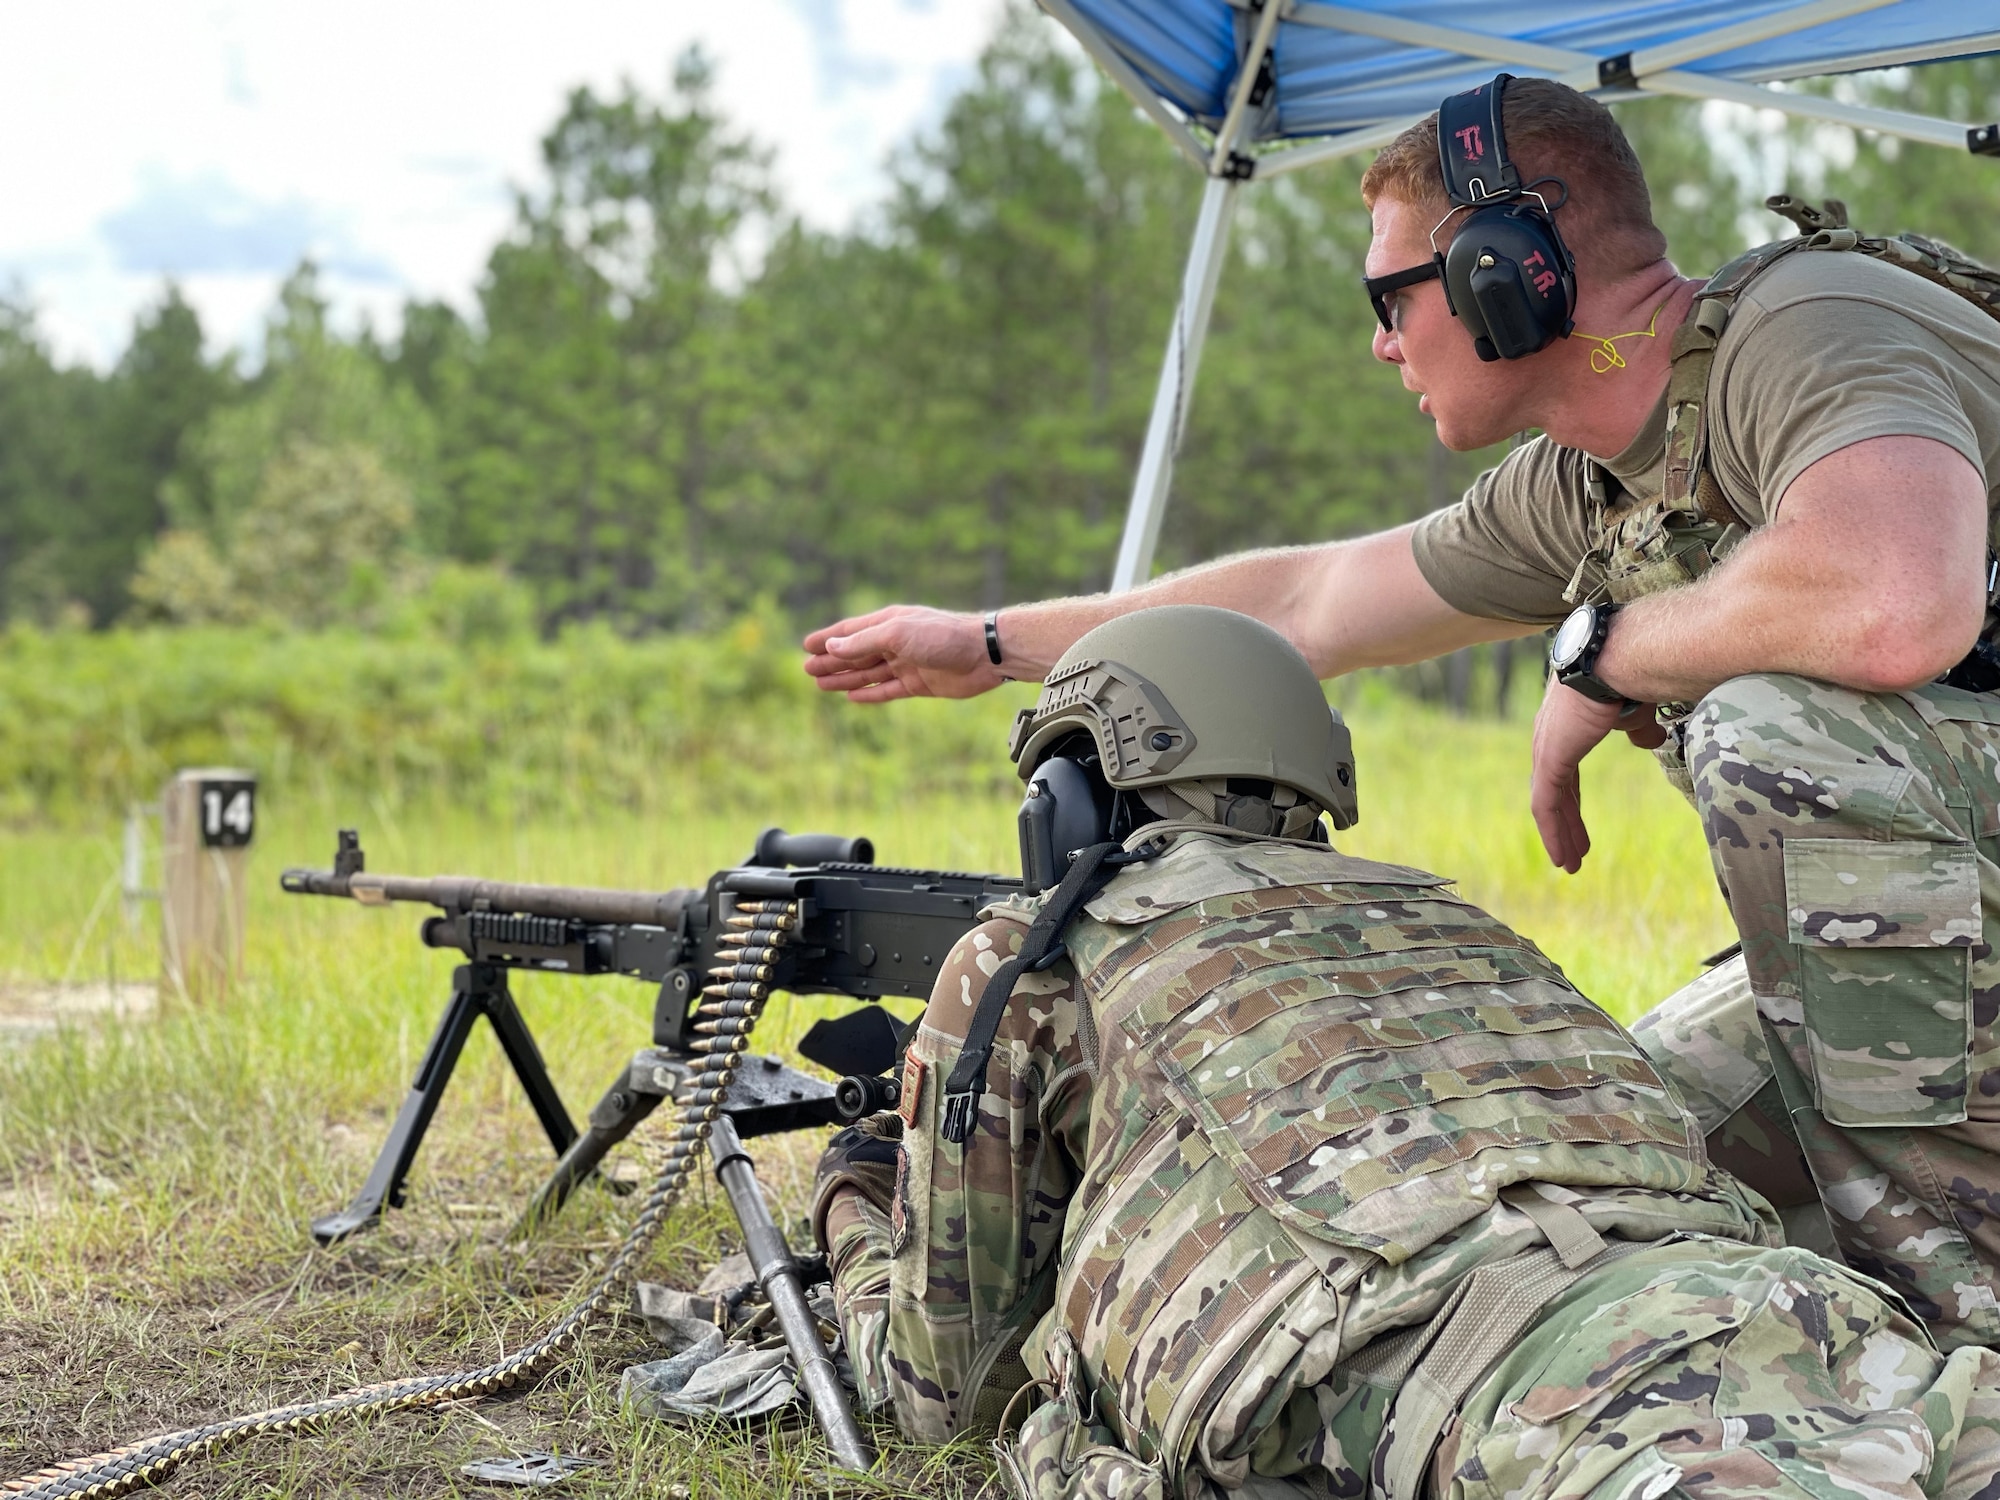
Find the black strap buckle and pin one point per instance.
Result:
(1090, 871)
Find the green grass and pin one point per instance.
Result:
(156, 1180)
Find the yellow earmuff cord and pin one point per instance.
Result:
(1605, 357)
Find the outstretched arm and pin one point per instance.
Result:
(1360, 603)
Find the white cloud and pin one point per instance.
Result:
(219, 140)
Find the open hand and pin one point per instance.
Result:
(1568, 727)
(904, 651)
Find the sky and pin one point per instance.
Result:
(217, 141)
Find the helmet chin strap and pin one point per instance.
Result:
(1285, 814)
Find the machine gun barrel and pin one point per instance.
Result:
(462, 893)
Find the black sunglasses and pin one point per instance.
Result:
(1380, 288)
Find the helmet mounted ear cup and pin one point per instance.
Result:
(1507, 274)
(1066, 809)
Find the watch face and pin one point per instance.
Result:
(1572, 636)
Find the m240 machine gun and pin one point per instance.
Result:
(806, 913)
(862, 930)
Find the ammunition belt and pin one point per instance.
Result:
(758, 931)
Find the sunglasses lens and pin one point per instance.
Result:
(1382, 289)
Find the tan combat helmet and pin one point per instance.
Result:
(1185, 699)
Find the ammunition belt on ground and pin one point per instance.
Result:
(757, 931)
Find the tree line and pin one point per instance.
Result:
(673, 400)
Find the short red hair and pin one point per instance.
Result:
(1552, 131)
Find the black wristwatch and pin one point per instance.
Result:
(1573, 653)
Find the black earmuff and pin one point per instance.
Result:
(1507, 274)
(1067, 808)
(1070, 806)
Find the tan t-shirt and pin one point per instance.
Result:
(1824, 350)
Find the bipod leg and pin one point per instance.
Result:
(519, 1045)
(778, 1273)
(385, 1179)
(647, 1079)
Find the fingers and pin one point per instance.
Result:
(1567, 728)
(1558, 810)
(1641, 727)
(1575, 837)
(880, 692)
(832, 676)
(834, 672)
(816, 642)
(844, 663)
(865, 644)
(1548, 824)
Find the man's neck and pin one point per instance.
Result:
(1600, 408)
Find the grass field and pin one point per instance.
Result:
(156, 1179)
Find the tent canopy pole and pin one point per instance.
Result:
(1184, 340)
(1190, 328)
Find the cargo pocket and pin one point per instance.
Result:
(1884, 934)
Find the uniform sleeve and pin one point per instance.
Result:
(1820, 374)
(1507, 551)
(1041, 1026)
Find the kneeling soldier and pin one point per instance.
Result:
(1251, 1166)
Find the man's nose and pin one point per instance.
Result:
(1387, 347)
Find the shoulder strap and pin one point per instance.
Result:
(1826, 228)
(1090, 872)
(1688, 485)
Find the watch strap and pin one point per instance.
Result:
(1591, 686)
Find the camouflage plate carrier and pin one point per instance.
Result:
(1375, 1203)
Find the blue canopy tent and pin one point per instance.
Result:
(1252, 88)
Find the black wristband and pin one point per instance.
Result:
(993, 636)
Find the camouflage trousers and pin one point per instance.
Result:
(1855, 837)
(944, 1257)
(1716, 1371)
(1700, 1368)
